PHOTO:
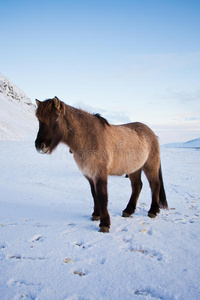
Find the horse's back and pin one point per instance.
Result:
(131, 146)
(137, 132)
(140, 128)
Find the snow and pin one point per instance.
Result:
(17, 120)
(49, 247)
(13, 92)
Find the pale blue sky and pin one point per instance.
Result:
(130, 60)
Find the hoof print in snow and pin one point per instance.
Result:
(81, 245)
(142, 293)
(103, 261)
(14, 256)
(80, 273)
(147, 294)
(71, 225)
(151, 254)
(139, 250)
(36, 238)
(68, 260)
(145, 231)
(24, 296)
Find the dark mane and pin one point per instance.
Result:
(46, 111)
(102, 120)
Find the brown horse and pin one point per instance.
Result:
(101, 149)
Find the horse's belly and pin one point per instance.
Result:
(127, 165)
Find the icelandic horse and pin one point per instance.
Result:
(101, 149)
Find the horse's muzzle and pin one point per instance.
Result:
(41, 148)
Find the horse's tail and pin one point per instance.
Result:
(162, 195)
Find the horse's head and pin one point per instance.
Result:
(49, 113)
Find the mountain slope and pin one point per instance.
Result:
(17, 120)
(190, 144)
(9, 89)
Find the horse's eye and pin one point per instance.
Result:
(55, 124)
(54, 120)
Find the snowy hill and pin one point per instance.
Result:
(10, 90)
(190, 144)
(17, 120)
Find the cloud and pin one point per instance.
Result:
(117, 117)
(176, 133)
(113, 117)
(187, 118)
(193, 119)
(184, 96)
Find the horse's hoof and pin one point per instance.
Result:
(104, 229)
(151, 215)
(125, 214)
(95, 218)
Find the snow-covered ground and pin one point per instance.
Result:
(50, 249)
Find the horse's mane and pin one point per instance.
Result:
(46, 111)
(103, 121)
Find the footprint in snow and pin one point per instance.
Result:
(37, 238)
(2, 246)
(151, 254)
(68, 229)
(40, 225)
(80, 272)
(81, 245)
(147, 231)
(147, 293)
(24, 296)
(18, 256)
(71, 224)
(15, 282)
(68, 260)
(103, 261)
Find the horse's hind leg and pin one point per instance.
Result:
(96, 212)
(153, 178)
(136, 185)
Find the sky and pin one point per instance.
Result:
(129, 60)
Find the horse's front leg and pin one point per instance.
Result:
(102, 200)
(96, 212)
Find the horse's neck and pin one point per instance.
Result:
(77, 128)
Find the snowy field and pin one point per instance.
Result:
(50, 249)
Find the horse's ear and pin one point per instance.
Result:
(59, 105)
(37, 102)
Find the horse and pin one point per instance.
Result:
(101, 149)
